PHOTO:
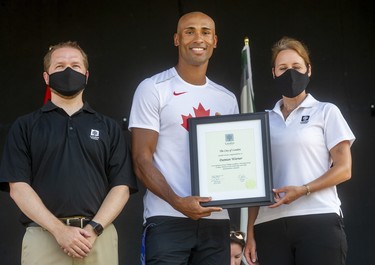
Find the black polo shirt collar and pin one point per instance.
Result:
(49, 106)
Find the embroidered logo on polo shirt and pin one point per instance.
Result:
(305, 119)
(94, 134)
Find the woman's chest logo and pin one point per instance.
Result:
(305, 119)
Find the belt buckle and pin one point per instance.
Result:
(67, 221)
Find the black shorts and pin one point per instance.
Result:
(183, 241)
(302, 240)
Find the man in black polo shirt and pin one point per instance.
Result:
(68, 169)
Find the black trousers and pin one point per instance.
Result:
(183, 241)
(317, 239)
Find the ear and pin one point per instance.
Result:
(46, 78)
(215, 41)
(176, 40)
(273, 72)
(87, 76)
(309, 70)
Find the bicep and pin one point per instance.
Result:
(341, 154)
(342, 160)
(143, 143)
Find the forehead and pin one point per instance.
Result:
(66, 54)
(235, 247)
(288, 56)
(196, 20)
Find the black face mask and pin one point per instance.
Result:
(67, 82)
(291, 83)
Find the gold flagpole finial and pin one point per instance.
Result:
(246, 40)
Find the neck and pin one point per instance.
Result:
(192, 74)
(69, 104)
(290, 104)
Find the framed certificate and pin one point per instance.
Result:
(230, 158)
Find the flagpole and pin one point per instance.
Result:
(247, 106)
(247, 94)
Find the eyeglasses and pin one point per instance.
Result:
(237, 234)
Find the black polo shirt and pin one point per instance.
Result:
(70, 161)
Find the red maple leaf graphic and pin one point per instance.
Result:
(185, 123)
(199, 112)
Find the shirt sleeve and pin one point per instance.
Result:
(336, 127)
(16, 161)
(120, 169)
(145, 107)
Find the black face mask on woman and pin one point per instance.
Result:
(291, 83)
(67, 82)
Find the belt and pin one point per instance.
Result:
(71, 221)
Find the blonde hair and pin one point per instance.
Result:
(69, 44)
(287, 43)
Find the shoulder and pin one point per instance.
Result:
(27, 120)
(328, 107)
(329, 112)
(325, 107)
(159, 78)
(109, 121)
(220, 88)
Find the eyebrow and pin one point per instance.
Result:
(204, 27)
(63, 60)
(293, 64)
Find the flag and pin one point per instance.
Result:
(47, 94)
(247, 93)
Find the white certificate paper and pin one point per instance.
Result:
(231, 159)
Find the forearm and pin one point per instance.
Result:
(154, 180)
(339, 172)
(250, 247)
(70, 239)
(251, 217)
(112, 205)
(144, 143)
(143, 148)
(32, 206)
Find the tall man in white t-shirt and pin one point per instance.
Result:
(178, 230)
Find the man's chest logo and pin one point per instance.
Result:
(94, 134)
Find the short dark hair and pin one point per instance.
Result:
(237, 237)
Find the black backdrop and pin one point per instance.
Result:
(128, 41)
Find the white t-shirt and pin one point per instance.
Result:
(163, 103)
(300, 153)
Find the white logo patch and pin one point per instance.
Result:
(94, 134)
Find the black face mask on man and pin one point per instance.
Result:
(291, 83)
(67, 82)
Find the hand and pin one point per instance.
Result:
(250, 251)
(191, 207)
(74, 241)
(287, 195)
(92, 235)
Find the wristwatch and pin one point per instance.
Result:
(98, 228)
